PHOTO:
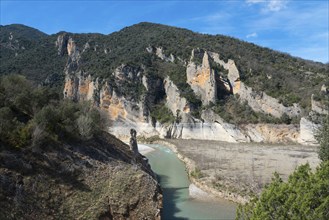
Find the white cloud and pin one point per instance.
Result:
(276, 5)
(270, 5)
(252, 35)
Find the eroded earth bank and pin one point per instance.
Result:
(95, 179)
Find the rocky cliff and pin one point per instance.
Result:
(177, 104)
(201, 78)
(126, 111)
(161, 83)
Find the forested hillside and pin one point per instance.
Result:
(29, 52)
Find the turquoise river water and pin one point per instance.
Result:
(177, 205)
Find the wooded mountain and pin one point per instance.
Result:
(138, 62)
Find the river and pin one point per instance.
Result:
(177, 204)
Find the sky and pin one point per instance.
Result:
(297, 27)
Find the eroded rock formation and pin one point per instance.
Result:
(202, 80)
(207, 83)
(178, 105)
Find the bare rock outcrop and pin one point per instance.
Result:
(202, 80)
(318, 107)
(308, 130)
(258, 101)
(162, 56)
(126, 112)
(212, 127)
(158, 51)
(271, 133)
(178, 105)
(233, 72)
(204, 131)
(81, 86)
(309, 126)
(61, 44)
(261, 102)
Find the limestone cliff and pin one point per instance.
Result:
(307, 132)
(178, 105)
(126, 111)
(201, 78)
(258, 101)
(81, 86)
(233, 76)
(261, 102)
(309, 125)
(271, 133)
(318, 107)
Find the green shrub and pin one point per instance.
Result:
(323, 138)
(162, 114)
(196, 173)
(233, 111)
(35, 116)
(304, 196)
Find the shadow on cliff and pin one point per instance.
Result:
(170, 199)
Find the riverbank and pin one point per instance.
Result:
(144, 149)
(176, 188)
(237, 171)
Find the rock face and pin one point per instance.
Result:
(127, 112)
(307, 132)
(318, 107)
(206, 131)
(258, 101)
(177, 104)
(308, 127)
(91, 180)
(61, 44)
(233, 72)
(75, 80)
(162, 56)
(261, 102)
(80, 86)
(270, 133)
(202, 80)
(123, 110)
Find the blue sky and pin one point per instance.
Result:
(298, 27)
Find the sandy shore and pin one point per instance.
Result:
(236, 171)
(143, 149)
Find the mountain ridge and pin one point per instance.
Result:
(132, 67)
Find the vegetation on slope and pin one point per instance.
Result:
(323, 139)
(233, 111)
(57, 163)
(304, 196)
(286, 78)
(31, 53)
(31, 116)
